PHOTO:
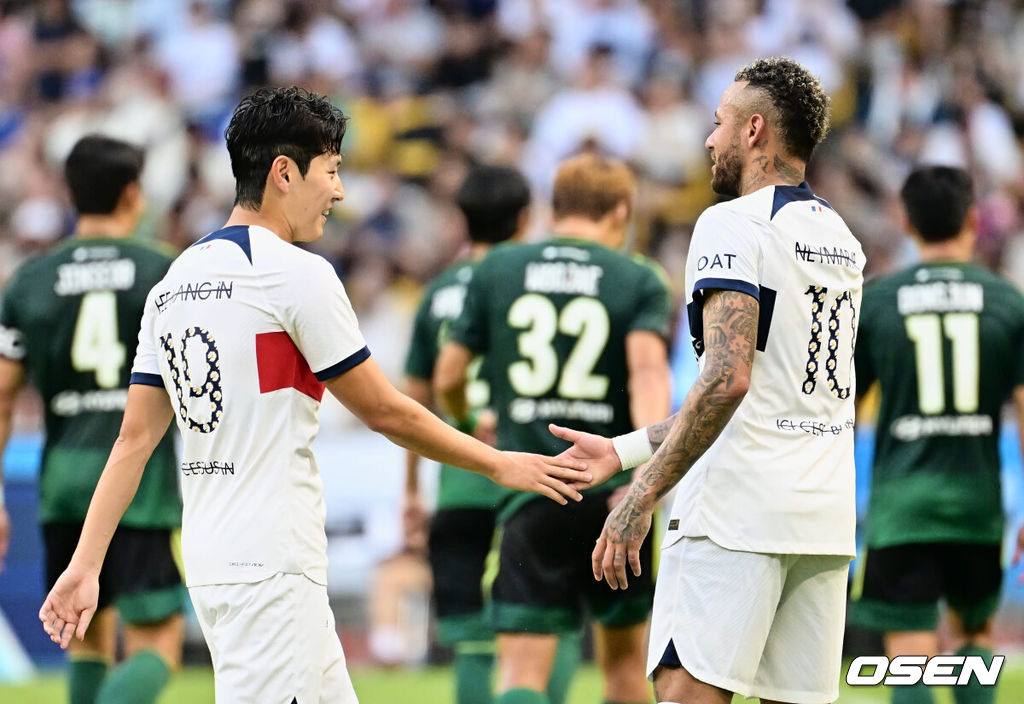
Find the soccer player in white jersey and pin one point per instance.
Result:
(751, 590)
(238, 343)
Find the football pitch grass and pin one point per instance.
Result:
(433, 685)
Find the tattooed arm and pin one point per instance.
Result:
(730, 337)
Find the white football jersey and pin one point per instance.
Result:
(780, 477)
(241, 332)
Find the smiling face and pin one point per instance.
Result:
(312, 197)
(724, 144)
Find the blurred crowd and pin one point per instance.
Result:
(433, 86)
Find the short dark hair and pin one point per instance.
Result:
(270, 122)
(97, 171)
(492, 198)
(799, 101)
(937, 199)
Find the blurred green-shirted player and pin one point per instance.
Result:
(573, 332)
(495, 201)
(69, 321)
(945, 341)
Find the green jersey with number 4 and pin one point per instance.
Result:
(946, 343)
(442, 302)
(72, 318)
(552, 318)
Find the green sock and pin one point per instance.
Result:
(974, 692)
(523, 696)
(473, 668)
(567, 659)
(914, 694)
(85, 679)
(138, 680)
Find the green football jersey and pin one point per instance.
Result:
(946, 343)
(552, 319)
(442, 302)
(72, 318)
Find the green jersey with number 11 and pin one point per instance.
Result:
(72, 318)
(946, 343)
(552, 318)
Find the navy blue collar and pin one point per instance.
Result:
(239, 234)
(790, 194)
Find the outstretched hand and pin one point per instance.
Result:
(623, 534)
(70, 605)
(553, 477)
(596, 451)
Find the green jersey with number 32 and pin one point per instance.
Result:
(72, 318)
(946, 343)
(552, 318)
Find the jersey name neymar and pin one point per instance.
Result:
(442, 302)
(71, 317)
(242, 333)
(552, 318)
(780, 477)
(946, 343)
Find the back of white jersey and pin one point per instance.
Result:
(780, 477)
(241, 333)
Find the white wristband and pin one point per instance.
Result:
(633, 448)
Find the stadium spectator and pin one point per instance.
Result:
(934, 526)
(228, 344)
(751, 589)
(67, 322)
(571, 330)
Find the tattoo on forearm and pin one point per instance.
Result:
(730, 336)
(659, 431)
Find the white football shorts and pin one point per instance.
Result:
(273, 642)
(759, 625)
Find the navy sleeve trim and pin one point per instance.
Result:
(147, 379)
(354, 359)
(728, 285)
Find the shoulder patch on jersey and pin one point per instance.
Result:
(239, 234)
(791, 194)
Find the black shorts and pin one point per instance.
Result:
(460, 539)
(139, 574)
(902, 585)
(545, 579)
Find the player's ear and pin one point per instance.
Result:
(130, 199)
(757, 129)
(280, 172)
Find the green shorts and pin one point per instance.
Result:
(139, 575)
(898, 587)
(544, 581)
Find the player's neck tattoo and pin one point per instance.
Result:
(760, 173)
(792, 175)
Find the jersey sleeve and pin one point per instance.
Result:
(12, 341)
(470, 327)
(146, 368)
(654, 305)
(724, 254)
(318, 316)
(422, 354)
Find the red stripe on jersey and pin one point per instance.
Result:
(282, 366)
